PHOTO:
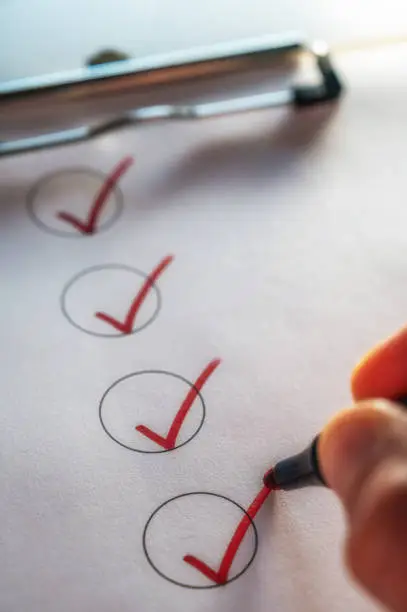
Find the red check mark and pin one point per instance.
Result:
(169, 441)
(90, 225)
(221, 575)
(126, 326)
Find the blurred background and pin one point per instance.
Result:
(42, 36)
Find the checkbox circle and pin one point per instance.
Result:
(109, 287)
(73, 190)
(129, 400)
(152, 541)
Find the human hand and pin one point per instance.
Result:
(363, 456)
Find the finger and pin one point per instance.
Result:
(383, 372)
(376, 547)
(363, 455)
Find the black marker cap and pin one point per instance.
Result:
(297, 471)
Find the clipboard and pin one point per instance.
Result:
(119, 94)
(275, 265)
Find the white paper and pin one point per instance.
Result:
(289, 243)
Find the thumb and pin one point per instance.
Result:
(363, 455)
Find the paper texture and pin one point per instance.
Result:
(289, 244)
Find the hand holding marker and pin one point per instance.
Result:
(361, 455)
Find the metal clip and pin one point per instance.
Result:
(132, 91)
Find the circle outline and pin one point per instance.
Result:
(97, 268)
(167, 373)
(33, 192)
(211, 586)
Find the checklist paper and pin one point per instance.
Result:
(182, 305)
